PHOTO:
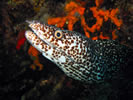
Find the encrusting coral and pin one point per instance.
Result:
(74, 8)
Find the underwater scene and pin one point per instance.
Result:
(66, 50)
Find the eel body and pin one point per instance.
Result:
(77, 56)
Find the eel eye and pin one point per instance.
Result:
(58, 34)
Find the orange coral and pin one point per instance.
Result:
(34, 52)
(59, 21)
(101, 16)
(100, 37)
(114, 36)
(103, 37)
(72, 9)
(114, 18)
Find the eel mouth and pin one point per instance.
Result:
(36, 41)
(36, 32)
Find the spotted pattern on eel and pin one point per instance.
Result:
(76, 55)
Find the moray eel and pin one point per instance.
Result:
(77, 56)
